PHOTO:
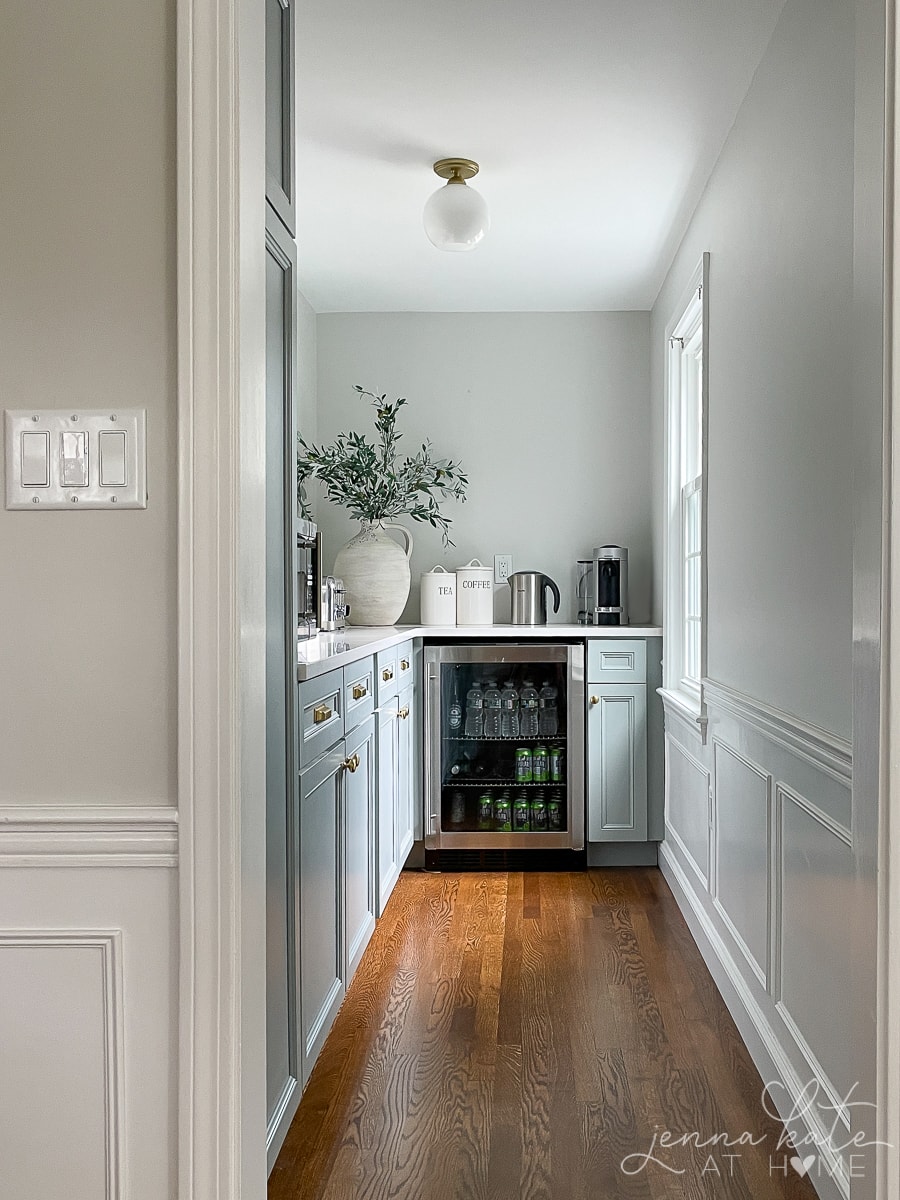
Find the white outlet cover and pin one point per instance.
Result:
(502, 567)
(78, 483)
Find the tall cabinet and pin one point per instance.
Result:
(283, 1048)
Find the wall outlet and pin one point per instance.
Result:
(502, 567)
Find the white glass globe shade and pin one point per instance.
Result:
(456, 217)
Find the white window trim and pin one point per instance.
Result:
(683, 695)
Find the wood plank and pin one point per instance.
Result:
(513, 1035)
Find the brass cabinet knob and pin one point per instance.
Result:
(322, 713)
(403, 713)
(595, 699)
(404, 664)
(350, 764)
(359, 690)
(387, 674)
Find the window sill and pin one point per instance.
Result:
(687, 707)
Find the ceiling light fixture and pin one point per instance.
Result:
(456, 216)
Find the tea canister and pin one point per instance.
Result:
(474, 594)
(438, 597)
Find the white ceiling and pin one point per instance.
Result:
(596, 124)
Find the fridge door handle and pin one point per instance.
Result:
(432, 743)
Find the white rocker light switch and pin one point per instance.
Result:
(73, 452)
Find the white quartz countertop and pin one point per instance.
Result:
(328, 651)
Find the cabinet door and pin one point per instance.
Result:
(280, 109)
(405, 768)
(282, 1051)
(322, 980)
(617, 762)
(359, 843)
(386, 797)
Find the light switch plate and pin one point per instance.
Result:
(96, 458)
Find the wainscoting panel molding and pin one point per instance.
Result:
(688, 812)
(768, 911)
(88, 993)
(742, 824)
(64, 1021)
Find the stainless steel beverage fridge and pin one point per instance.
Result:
(504, 750)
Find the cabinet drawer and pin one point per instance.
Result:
(616, 660)
(321, 715)
(359, 692)
(404, 665)
(387, 673)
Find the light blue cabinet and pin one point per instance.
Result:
(396, 790)
(322, 961)
(336, 877)
(617, 762)
(405, 816)
(358, 817)
(387, 788)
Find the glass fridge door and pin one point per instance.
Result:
(505, 766)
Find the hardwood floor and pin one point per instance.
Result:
(513, 1036)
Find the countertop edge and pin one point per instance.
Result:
(320, 654)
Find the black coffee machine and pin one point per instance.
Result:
(610, 585)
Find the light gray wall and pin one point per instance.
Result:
(548, 412)
(777, 218)
(87, 318)
(307, 416)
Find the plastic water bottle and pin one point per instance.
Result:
(528, 710)
(492, 709)
(474, 711)
(548, 719)
(509, 714)
(455, 715)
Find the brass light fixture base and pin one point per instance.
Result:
(456, 170)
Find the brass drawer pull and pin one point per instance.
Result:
(322, 713)
(359, 690)
(595, 700)
(350, 764)
(404, 664)
(387, 674)
(403, 713)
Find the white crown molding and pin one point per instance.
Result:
(824, 750)
(109, 943)
(55, 835)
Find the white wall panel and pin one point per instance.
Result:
(88, 1035)
(59, 1037)
(773, 922)
(816, 962)
(741, 868)
(687, 806)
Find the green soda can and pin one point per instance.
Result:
(538, 813)
(503, 814)
(540, 769)
(520, 815)
(557, 764)
(554, 815)
(523, 765)
(486, 811)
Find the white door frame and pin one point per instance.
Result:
(221, 621)
(221, 598)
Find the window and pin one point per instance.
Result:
(685, 649)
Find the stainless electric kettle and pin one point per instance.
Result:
(529, 597)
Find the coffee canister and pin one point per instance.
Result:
(474, 594)
(438, 597)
